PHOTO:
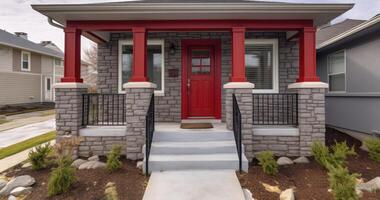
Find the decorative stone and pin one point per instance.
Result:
(140, 165)
(284, 161)
(93, 158)
(301, 160)
(247, 194)
(3, 183)
(92, 165)
(20, 181)
(287, 194)
(21, 191)
(11, 197)
(111, 192)
(371, 185)
(78, 162)
(26, 165)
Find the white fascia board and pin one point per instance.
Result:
(350, 32)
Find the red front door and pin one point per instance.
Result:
(201, 81)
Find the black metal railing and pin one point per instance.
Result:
(103, 109)
(236, 126)
(149, 128)
(275, 109)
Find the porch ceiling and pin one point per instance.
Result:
(216, 10)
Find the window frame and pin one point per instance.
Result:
(275, 57)
(345, 70)
(60, 61)
(149, 42)
(29, 61)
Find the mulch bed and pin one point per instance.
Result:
(310, 180)
(90, 185)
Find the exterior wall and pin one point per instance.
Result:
(35, 62)
(18, 88)
(280, 145)
(361, 99)
(6, 58)
(100, 145)
(168, 107)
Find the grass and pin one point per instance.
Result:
(21, 146)
(2, 121)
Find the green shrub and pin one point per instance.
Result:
(342, 183)
(373, 146)
(113, 159)
(61, 179)
(267, 162)
(320, 152)
(38, 156)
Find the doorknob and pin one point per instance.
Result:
(188, 82)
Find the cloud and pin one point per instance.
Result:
(17, 15)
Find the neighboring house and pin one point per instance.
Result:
(89, 74)
(202, 61)
(27, 70)
(348, 57)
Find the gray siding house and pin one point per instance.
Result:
(348, 59)
(28, 70)
(246, 67)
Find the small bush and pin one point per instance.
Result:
(342, 183)
(38, 156)
(373, 146)
(320, 152)
(267, 162)
(61, 179)
(113, 159)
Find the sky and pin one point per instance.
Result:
(18, 16)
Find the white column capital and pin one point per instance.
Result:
(300, 85)
(139, 85)
(239, 85)
(70, 85)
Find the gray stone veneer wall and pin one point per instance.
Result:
(280, 145)
(244, 99)
(137, 104)
(168, 107)
(101, 146)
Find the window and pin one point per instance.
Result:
(261, 64)
(155, 63)
(25, 61)
(58, 62)
(337, 71)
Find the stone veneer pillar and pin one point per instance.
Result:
(311, 113)
(68, 108)
(138, 95)
(243, 93)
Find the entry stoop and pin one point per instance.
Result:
(174, 150)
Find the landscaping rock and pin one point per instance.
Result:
(3, 183)
(93, 158)
(370, 186)
(20, 181)
(287, 194)
(111, 192)
(12, 197)
(247, 194)
(78, 162)
(140, 164)
(21, 191)
(301, 160)
(284, 161)
(92, 165)
(26, 165)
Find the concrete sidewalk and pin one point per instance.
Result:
(194, 185)
(22, 133)
(19, 120)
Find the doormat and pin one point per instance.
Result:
(196, 125)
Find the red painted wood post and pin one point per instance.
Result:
(72, 55)
(139, 70)
(238, 55)
(307, 56)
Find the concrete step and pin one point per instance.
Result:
(204, 147)
(172, 162)
(192, 136)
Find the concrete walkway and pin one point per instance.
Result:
(194, 185)
(19, 120)
(22, 133)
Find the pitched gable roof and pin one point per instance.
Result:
(331, 31)
(9, 39)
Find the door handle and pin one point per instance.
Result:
(188, 83)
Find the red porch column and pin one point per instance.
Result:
(307, 56)
(72, 55)
(238, 55)
(139, 71)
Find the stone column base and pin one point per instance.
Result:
(138, 95)
(243, 93)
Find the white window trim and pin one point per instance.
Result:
(345, 70)
(29, 60)
(275, 79)
(149, 42)
(61, 61)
